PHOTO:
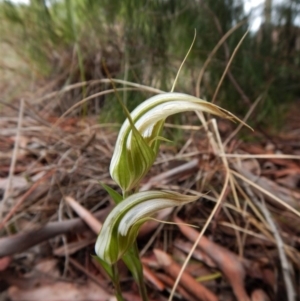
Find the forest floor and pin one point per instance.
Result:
(53, 205)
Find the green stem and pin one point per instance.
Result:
(116, 281)
(140, 276)
(133, 262)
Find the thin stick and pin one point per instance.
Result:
(64, 240)
(261, 156)
(228, 65)
(94, 82)
(291, 294)
(274, 197)
(14, 158)
(227, 54)
(213, 52)
(231, 178)
(200, 236)
(181, 65)
(81, 268)
(87, 99)
(253, 106)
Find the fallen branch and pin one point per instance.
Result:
(22, 241)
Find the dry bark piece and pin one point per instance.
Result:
(187, 281)
(225, 260)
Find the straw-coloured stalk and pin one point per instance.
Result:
(121, 227)
(137, 146)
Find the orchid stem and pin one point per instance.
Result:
(140, 276)
(116, 281)
(133, 262)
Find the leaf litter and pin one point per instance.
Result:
(53, 206)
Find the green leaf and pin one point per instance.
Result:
(113, 194)
(133, 263)
(105, 265)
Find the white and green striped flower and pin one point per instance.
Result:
(121, 226)
(137, 148)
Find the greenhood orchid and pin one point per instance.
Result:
(121, 226)
(135, 151)
(137, 146)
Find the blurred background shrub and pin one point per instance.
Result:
(60, 42)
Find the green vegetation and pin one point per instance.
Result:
(145, 41)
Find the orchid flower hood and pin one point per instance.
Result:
(137, 146)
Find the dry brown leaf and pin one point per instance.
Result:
(24, 197)
(226, 261)
(151, 276)
(269, 277)
(88, 217)
(169, 282)
(17, 182)
(290, 181)
(259, 295)
(48, 266)
(186, 280)
(59, 291)
(197, 254)
(150, 262)
(4, 263)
